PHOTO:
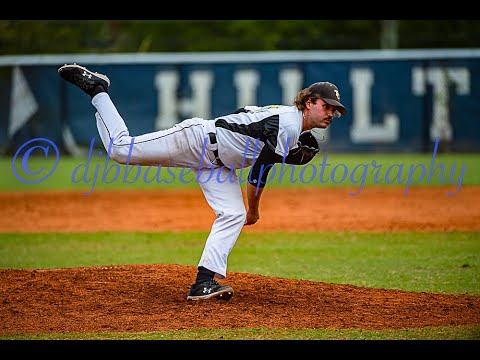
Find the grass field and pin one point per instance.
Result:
(353, 170)
(446, 263)
(433, 262)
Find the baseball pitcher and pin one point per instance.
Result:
(253, 136)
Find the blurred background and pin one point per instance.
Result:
(104, 36)
(405, 83)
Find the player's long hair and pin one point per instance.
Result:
(302, 97)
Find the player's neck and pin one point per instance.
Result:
(305, 125)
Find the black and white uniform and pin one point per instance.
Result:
(254, 137)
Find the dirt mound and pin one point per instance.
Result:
(151, 298)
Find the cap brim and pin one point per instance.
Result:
(342, 109)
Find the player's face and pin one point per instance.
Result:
(320, 113)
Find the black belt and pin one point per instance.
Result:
(213, 140)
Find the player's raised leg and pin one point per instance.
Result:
(182, 145)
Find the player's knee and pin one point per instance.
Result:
(119, 155)
(236, 216)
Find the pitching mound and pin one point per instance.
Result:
(153, 298)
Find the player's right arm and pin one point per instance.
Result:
(253, 199)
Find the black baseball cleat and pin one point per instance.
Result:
(210, 289)
(90, 82)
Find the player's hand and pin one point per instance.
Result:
(252, 217)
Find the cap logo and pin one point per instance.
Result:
(337, 94)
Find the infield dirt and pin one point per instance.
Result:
(153, 297)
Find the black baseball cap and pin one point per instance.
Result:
(329, 93)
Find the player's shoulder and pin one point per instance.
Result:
(267, 109)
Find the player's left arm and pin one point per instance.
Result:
(307, 148)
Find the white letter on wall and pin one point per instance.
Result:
(440, 79)
(291, 81)
(169, 106)
(362, 130)
(246, 82)
(201, 83)
(166, 83)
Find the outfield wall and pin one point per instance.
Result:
(397, 100)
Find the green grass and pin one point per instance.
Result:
(353, 170)
(432, 262)
(428, 333)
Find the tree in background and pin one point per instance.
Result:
(108, 36)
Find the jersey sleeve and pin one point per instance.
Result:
(261, 167)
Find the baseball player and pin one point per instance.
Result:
(253, 136)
